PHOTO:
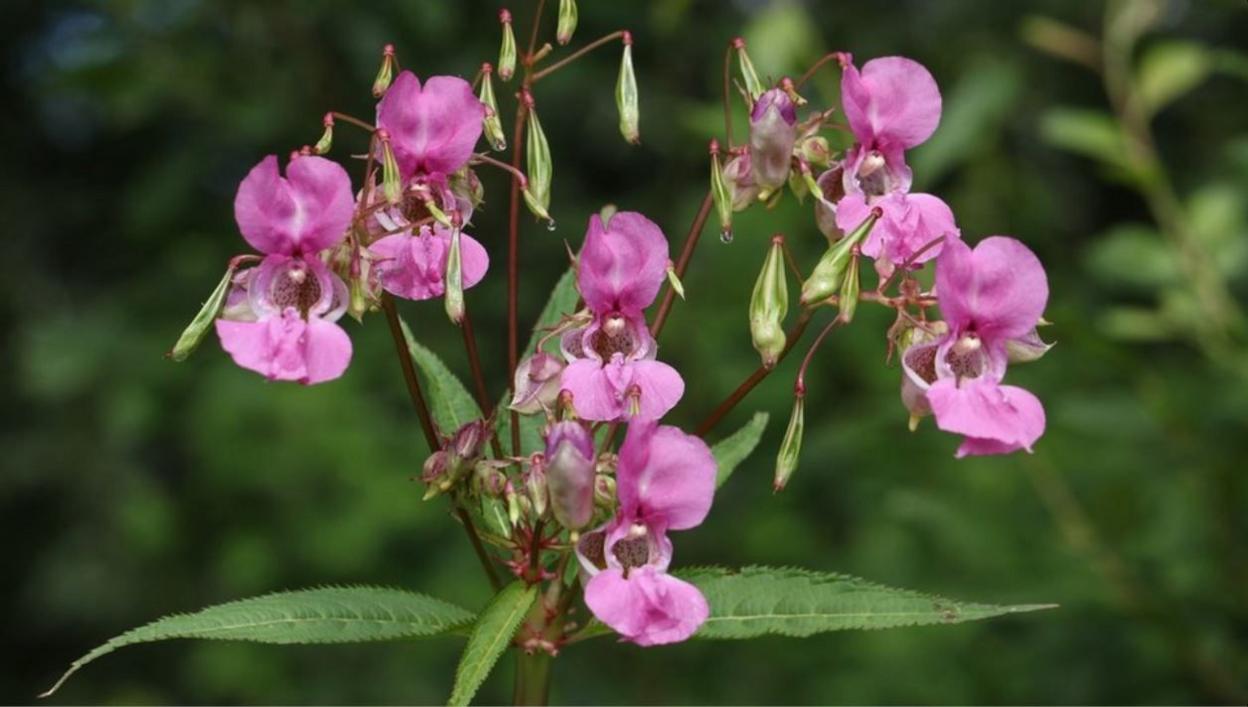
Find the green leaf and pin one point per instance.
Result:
(1169, 69)
(450, 403)
(195, 331)
(1133, 255)
(1091, 133)
(321, 615)
(733, 449)
(490, 636)
(756, 601)
(974, 112)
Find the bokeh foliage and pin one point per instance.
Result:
(134, 487)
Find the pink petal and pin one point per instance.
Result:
(908, 222)
(623, 264)
(593, 395)
(999, 288)
(893, 100)
(432, 129)
(649, 608)
(307, 213)
(473, 259)
(661, 388)
(665, 477)
(287, 347)
(1000, 417)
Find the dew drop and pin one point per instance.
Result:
(725, 236)
(550, 225)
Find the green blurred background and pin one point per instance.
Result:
(133, 487)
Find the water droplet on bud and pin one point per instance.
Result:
(725, 236)
(550, 225)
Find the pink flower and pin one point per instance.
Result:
(611, 371)
(570, 473)
(665, 481)
(990, 296)
(773, 132)
(892, 105)
(414, 266)
(432, 128)
(284, 327)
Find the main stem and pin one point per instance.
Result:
(532, 685)
(686, 254)
(513, 266)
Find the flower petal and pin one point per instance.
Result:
(665, 477)
(594, 395)
(1002, 418)
(649, 607)
(999, 288)
(327, 351)
(893, 100)
(286, 347)
(432, 129)
(623, 263)
(306, 213)
(661, 388)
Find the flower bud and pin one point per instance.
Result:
(848, 299)
(626, 95)
(721, 194)
(769, 305)
(570, 474)
(390, 180)
(434, 473)
(195, 331)
(513, 503)
(466, 188)
(773, 134)
(327, 138)
(540, 171)
(604, 492)
(826, 278)
(673, 280)
(506, 52)
(535, 482)
(468, 441)
(536, 383)
(567, 21)
(739, 178)
(492, 125)
(791, 447)
(749, 77)
(815, 151)
(494, 513)
(454, 297)
(385, 74)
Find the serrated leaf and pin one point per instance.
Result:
(756, 601)
(490, 636)
(450, 403)
(733, 449)
(321, 615)
(1169, 69)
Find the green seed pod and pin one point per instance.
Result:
(385, 74)
(493, 125)
(327, 138)
(454, 280)
(830, 271)
(848, 299)
(791, 447)
(506, 52)
(195, 331)
(626, 95)
(770, 304)
(540, 169)
(749, 77)
(390, 180)
(721, 194)
(567, 21)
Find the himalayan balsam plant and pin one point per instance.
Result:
(572, 490)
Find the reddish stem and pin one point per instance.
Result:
(578, 54)
(682, 264)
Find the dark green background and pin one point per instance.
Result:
(133, 487)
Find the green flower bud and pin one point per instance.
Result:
(791, 447)
(626, 95)
(830, 271)
(195, 331)
(749, 77)
(769, 305)
(815, 151)
(506, 52)
(674, 280)
(537, 487)
(567, 21)
(494, 514)
(385, 74)
(493, 125)
(327, 138)
(390, 180)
